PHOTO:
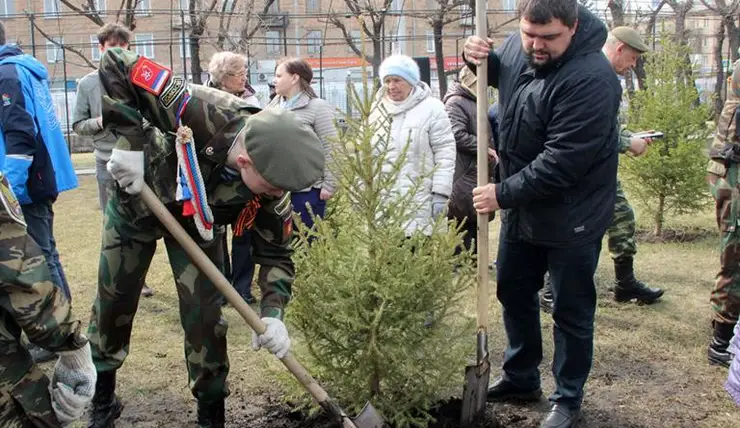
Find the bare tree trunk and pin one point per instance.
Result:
(659, 216)
(439, 56)
(719, 92)
(616, 7)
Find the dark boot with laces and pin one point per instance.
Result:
(211, 414)
(106, 407)
(628, 288)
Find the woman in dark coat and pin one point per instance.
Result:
(460, 103)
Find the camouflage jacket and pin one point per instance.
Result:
(726, 133)
(215, 117)
(29, 302)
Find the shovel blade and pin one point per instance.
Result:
(369, 418)
(474, 393)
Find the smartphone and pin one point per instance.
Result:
(652, 135)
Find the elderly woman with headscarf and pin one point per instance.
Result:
(228, 72)
(419, 120)
(293, 92)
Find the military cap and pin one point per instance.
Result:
(631, 38)
(287, 154)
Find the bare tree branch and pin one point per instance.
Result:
(75, 51)
(90, 13)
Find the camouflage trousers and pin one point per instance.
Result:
(127, 250)
(27, 294)
(622, 230)
(725, 297)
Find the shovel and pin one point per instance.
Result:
(477, 376)
(368, 417)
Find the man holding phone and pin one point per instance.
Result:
(622, 48)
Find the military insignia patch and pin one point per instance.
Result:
(283, 208)
(175, 87)
(10, 204)
(149, 75)
(6, 100)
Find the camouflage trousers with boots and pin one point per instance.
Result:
(623, 248)
(127, 250)
(725, 297)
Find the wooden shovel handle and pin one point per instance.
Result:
(482, 131)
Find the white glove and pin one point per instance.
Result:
(127, 168)
(275, 338)
(73, 384)
(439, 205)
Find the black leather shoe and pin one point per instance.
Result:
(503, 390)
(561, 416)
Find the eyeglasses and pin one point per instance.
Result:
(240, 74)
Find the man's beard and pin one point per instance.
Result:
(538, 65)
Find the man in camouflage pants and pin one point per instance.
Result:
(30, 302)
(242, 159)
(623, 47)
(722, 175)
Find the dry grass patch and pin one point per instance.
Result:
(649, 368)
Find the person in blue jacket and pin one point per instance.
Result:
(33, 153)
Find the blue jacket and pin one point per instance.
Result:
(33, 153)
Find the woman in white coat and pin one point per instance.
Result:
(419, 120)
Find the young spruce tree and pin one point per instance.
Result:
(376, 316)
(669, 178)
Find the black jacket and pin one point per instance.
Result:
(557, 142)
(461, 108)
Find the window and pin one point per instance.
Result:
(94, 50)
(185, 5)
(465, 11)
(357, 39)
(144, 44)
(51, 8)
(144, 8)
(100, 6)
(314, 41)
(430, 42)
(7, 7)
(397, 5)
(273, 42)
(54, 51)
(274, 7)
(228, 4)
(508, 5)
(313, 6)
(185, 51)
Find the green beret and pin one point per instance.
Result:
(630, 37)
(286, 153)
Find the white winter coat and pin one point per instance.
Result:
(420, 121)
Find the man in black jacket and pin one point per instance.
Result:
(556, 183)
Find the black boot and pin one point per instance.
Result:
(628, 287)
(211, 415)
(717, 352)
(106, 407)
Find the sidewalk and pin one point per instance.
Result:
(85, 171)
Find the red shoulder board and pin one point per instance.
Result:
(149, 75)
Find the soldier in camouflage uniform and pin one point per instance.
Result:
(30, 302)
(722, 175)
(247, 162)
(623, 47)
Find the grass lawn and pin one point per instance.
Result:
(83, 160)
(649, 370)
